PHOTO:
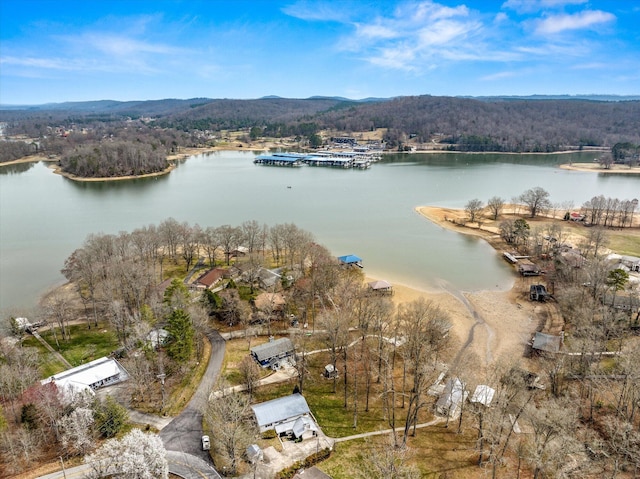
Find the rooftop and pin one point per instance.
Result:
(280, 409)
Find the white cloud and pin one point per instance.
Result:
(528, 6)
(499, 76)
(319, 11)
(578, 21)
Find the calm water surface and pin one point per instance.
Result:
(44, 217)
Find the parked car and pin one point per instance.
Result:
(206, 443)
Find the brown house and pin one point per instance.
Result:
(209, 279)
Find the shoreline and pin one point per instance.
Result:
(596, 168)
(188, 152)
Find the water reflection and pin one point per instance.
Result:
(16, 168)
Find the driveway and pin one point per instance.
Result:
(184, 432)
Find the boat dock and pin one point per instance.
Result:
(331, 159)
(280, 159)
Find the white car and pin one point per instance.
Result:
(206, 443)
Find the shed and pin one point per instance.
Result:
(546, 342)
(288, 416)
(483, 395)
(529, 269)
(254, 453)
(330, 372)
(381, 286)
(351, 260)
(450, 402)
(271, 354)
(157, 337)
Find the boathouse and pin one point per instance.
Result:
(350, 260)
(381, 287)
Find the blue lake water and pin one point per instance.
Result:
(44, 217)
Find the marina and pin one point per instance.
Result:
(331, 159)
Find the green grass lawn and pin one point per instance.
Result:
(85, 345)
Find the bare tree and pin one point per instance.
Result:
(473, 208)
(250, 373)
(495, 205)
(230, 237)
(425, 327)
(228, 417)
(536, 199)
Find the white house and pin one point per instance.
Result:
(287, 416)
(88, 377)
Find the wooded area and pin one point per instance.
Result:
(465, 124)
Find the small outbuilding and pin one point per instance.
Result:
(529, 269)
(330, 372)
(254, 454)
(546, 342)
(483, 395)
(273, 353)
(157, 337)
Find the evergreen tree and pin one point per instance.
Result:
(182, 334)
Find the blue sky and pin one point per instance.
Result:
(64, 50)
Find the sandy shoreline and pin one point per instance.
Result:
(596, 168)
(487, 325)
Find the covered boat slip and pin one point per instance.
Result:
(344, 160)
(280, 159)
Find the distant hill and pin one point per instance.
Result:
(503, 123)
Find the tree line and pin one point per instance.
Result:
(466, 124)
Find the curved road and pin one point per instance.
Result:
(183, 434)
(181, 437)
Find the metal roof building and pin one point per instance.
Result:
(350, 259)
(280, 412)
(546, 342)
(93, 375)
(270, 353)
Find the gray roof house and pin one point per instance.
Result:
(272, 353)
(288, 416)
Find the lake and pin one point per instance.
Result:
(370, 213)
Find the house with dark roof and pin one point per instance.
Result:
(209, 279)
(273, 353)
(288, 416)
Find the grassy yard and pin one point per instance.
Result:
(438, 452)
(85, 345)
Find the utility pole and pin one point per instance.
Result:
(64, 473)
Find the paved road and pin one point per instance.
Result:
(183, 465)
(183, 434)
